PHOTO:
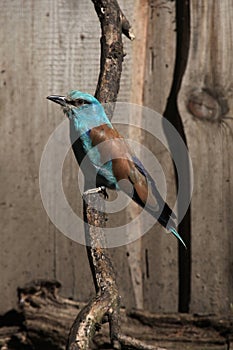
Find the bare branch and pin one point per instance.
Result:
(113, 24)
(107, 300)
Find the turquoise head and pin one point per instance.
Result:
(83, 110)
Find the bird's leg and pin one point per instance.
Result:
(101, 189)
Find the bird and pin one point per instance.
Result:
(106, 158)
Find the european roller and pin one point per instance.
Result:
(106, 159)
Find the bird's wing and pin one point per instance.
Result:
(141, 168)
(125, 166)
(131, 176)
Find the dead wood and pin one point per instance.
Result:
(46, 317)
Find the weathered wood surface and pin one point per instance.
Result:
(135, 249)
(52, 46)
(46, 318)
(54, 49)
(205, 103)
(159, 253)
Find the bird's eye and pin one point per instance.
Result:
(78, 102)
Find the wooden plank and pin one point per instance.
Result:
(135, 249)
(54, 49)
(160, 250)
(87, 64)
(205, 102)
(26, 243)
(73, 63)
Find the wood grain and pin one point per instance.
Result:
(205, 102)
(51, 47)
(159, 252)
(45, 48)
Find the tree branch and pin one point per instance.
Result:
(107, 300)
(113, 24)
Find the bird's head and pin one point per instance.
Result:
(76, 102)
(83, 110)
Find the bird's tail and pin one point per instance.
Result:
(165, 217)
(176, 234)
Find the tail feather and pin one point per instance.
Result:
(176, 234)
(165, 217)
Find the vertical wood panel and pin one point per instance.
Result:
(205, 101)
(119, 255)
(159, 249)
(52, 47)
(27, 246)
(46, 47)
(134, 250)
(72, 63)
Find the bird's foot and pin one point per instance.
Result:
(101, 189)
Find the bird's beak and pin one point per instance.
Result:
(61, 100)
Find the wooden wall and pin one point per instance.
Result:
(206, 106)
(50, 47)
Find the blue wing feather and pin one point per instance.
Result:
(156, 193)
(166, 214)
